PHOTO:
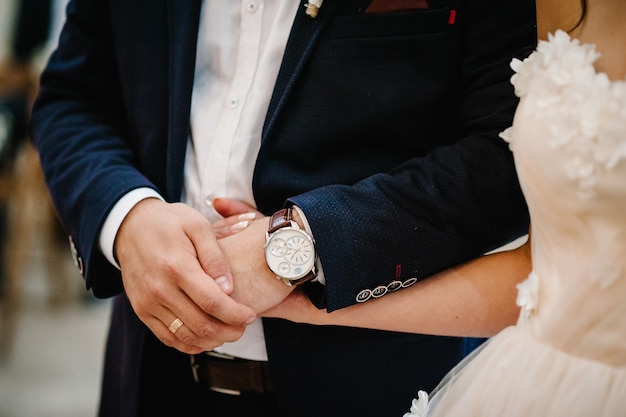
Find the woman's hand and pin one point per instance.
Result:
(297, 307)
(236, 214)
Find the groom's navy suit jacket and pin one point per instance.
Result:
(383, 127)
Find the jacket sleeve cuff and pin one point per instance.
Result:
(116, 217)
(318, 264)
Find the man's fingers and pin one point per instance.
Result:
(209, 255)
(197, 296)
(162, 332)
(182, 324)
(204, 335)
(211, 300)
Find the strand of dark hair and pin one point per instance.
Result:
(583, 14)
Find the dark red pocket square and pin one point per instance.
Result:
(390, 6)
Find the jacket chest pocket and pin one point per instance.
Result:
(389, 25)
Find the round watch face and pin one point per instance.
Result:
(290, 253)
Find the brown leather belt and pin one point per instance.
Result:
(229, 375)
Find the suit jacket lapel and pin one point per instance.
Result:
(305, 32)
(183, 23)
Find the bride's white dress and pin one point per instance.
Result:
(566, 356)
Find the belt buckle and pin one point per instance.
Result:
(194, 368)
(196, 377)
(225, 391)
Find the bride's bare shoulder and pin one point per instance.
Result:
(557, 14)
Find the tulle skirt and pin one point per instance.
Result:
(513, 375)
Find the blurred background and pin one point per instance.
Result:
(52, 331)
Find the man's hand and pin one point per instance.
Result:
(255, 284)
(172, 267)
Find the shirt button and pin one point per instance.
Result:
(233, 102)
(252, 7)
(209, 200)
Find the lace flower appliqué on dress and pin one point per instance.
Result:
(586, 110)
(419, 405)
(528, 294)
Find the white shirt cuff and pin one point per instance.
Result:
(117, 216)
(320, 272)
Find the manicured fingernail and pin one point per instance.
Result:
(223, 282)
(247, 216)
(251, 320)
(240, 225)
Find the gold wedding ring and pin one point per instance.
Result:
(176, 324)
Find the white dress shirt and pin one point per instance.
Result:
(240, 48)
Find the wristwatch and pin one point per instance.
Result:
(289, 250)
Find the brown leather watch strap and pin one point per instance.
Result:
(308, 277)
(280, 219)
